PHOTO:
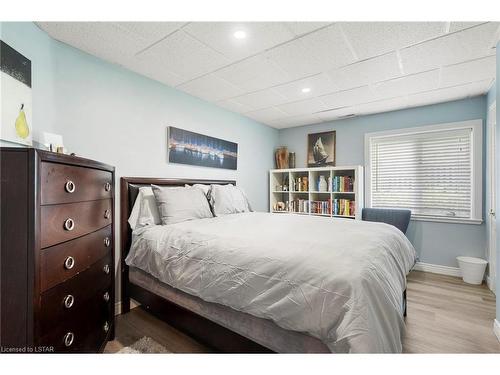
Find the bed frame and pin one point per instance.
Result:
(202, 329)
(205, 331)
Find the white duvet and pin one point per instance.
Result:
(339, 280)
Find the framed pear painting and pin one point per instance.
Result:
(15, 96)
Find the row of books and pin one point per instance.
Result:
(298, 205)
(343, 183)
(344, 207)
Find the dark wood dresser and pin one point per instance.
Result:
(57, 252)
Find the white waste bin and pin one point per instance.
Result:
(472, 269)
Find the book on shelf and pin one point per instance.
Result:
(343, 184)
(344, 207)
(321, 207)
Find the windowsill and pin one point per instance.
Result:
(448, 220)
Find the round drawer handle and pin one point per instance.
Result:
(70, 186)
(107, 242)
(106, 269)
(107, 186)
(68, 301)
(106, 297)
(69, 338)
(107, 214)
(106, 327)
(69, 224)
(69, 262)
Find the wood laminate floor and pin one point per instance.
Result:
(445, 315)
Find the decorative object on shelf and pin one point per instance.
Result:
(279, 206)
(322, 184)
(15, 96)
(321, 149)
(185, 147)
(281, 156)
(291, 160)
(304, 186)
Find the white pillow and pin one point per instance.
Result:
(228, 199)
(204, 188)
(181, 204)
(145, 211)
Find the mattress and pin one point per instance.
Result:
(338, 280)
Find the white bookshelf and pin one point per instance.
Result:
(307, 196)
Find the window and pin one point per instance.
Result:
(435, 171)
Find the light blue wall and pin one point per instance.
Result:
(437, 243)
(111, 114)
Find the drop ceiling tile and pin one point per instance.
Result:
(260, 36)
(254, 73)
(154, 71)
(234, 106)
(261, 99)
(211, 88)
(150, 31)
(184, 56)
(314, 53)
(318, 84)
(301, 28)
(450, 49)
(439, 96)
(303, 107)
(348, 97)
(295, 121)
(365, 72)
(376, 38)
(102, 39)
(267, 114)
(471, 71)
(457, 26)
(379, 106)
(408, 84)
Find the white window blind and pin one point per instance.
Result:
(429, 172)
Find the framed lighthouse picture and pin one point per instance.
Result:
(321, 149)
(15, 102)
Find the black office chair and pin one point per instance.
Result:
(396, 217)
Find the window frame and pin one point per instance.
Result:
(476, 166)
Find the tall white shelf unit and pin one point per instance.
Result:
(280, 177)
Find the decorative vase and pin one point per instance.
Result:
(281, 156)
(291, 160)
(322, 184)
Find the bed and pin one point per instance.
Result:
(258, 282)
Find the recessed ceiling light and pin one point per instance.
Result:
(240, 34)
(305, 90)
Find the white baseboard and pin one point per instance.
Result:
(491, 284)
(437, 268)
(496, 328)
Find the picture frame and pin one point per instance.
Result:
(187, 147)
(321, 149)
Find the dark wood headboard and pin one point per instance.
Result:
(129, 188)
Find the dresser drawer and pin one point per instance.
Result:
(66, 301)
(64, 222)
(61, 183)
(85, 332)
(61, 262)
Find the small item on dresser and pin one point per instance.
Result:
(281, 156)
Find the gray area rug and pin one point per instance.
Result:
(146, 345)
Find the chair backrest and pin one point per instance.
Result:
(397, 217)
